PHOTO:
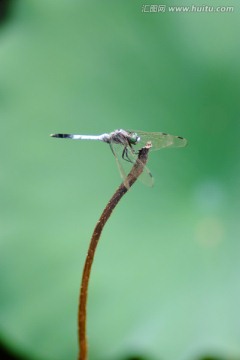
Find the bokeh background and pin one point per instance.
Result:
(165, 281)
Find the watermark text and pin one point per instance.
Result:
(157, 8)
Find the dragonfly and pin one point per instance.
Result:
(125, 145)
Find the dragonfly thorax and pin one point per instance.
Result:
(123, 137)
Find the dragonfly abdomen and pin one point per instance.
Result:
(103, 137)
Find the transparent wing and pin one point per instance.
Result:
(146, 177)
(159, 140)
(117, 151)
(125, 166)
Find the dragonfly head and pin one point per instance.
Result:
(134, 138)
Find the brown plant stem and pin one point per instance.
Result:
(135, 172)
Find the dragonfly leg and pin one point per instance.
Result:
(125, 155)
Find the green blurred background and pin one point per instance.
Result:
(165, 281)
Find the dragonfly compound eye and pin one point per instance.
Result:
(134, 138)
